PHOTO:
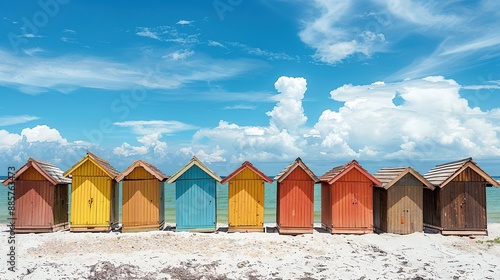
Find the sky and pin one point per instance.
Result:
(388, 83)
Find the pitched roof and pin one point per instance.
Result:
(153, 170)
(192, 162)
(442, 174)
(51, 172)
(297, 163)
(389, 176)
(339, 171)
(246, 165)
(105, 166)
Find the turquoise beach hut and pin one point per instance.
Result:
(195, 197)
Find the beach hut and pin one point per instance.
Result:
(246, 198)
(295, 199)
(94, 195)
(398, 203)
(143, 204)
(347, 199)
(458, 204)
(41, 197)
(195, 197)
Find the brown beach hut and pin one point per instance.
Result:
(246, 198)
(41, 197)
(458, 204)
(94, 195)
(347, 199)
(143, 204)
(295, 199)
(398, 203)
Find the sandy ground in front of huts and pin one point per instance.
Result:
(181, 255)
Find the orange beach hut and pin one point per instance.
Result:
(246, 198)
(41, 197)
(295, 199)
(94, 195)
(347, 199)
(143, 204)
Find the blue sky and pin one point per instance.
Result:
(388, 83)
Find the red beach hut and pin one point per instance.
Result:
(41, 197)
(347, 199)
(295, 199)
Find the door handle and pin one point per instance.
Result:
(91, 200)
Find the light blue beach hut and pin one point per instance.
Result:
(195, 197)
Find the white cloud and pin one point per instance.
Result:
(11, 120)
(33, 51)
(422, 13)
(8, 139)
(258, 51)
(288, 112)
(216, 154)
(155, 126)
(185, 22)
(43, 133)
(150, 143)
(179, 55)
(240, 107)
(146, 32)
(215, 44)
(333, 39)
(69, 31)
(34, 75)
(31, 35)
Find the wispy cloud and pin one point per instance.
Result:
(260, 52)
(155, 126)
(184, 22)
(11, 120)
(69, 31)
(179, 55)
(146, 32)
(31, 35)
(33, 51)
(240, 107)
(215, 44)
(35, 75)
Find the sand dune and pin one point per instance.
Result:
(172, 255)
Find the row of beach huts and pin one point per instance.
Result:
(450, 198)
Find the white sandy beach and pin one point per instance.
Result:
(172, 255)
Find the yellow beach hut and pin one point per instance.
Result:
(246, 198)
(94, 195)
(143, 197)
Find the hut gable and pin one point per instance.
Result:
(290, 168)
(337, 172)
(102, 164)
(148, 167)
(390, 176)
(246, 166)
(48, 171)
(194, 161)
(442, 174)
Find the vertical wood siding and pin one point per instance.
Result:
(296, 201)
(464, 202)
(352, 199)
(34, 201)
(404, 206)
(326, 205)
(91, 197)
(246, 200)
(142, 199)
(195, 201)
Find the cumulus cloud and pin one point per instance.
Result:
(150, 143)
(43, 133)
(288, 112)
(433, 120)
